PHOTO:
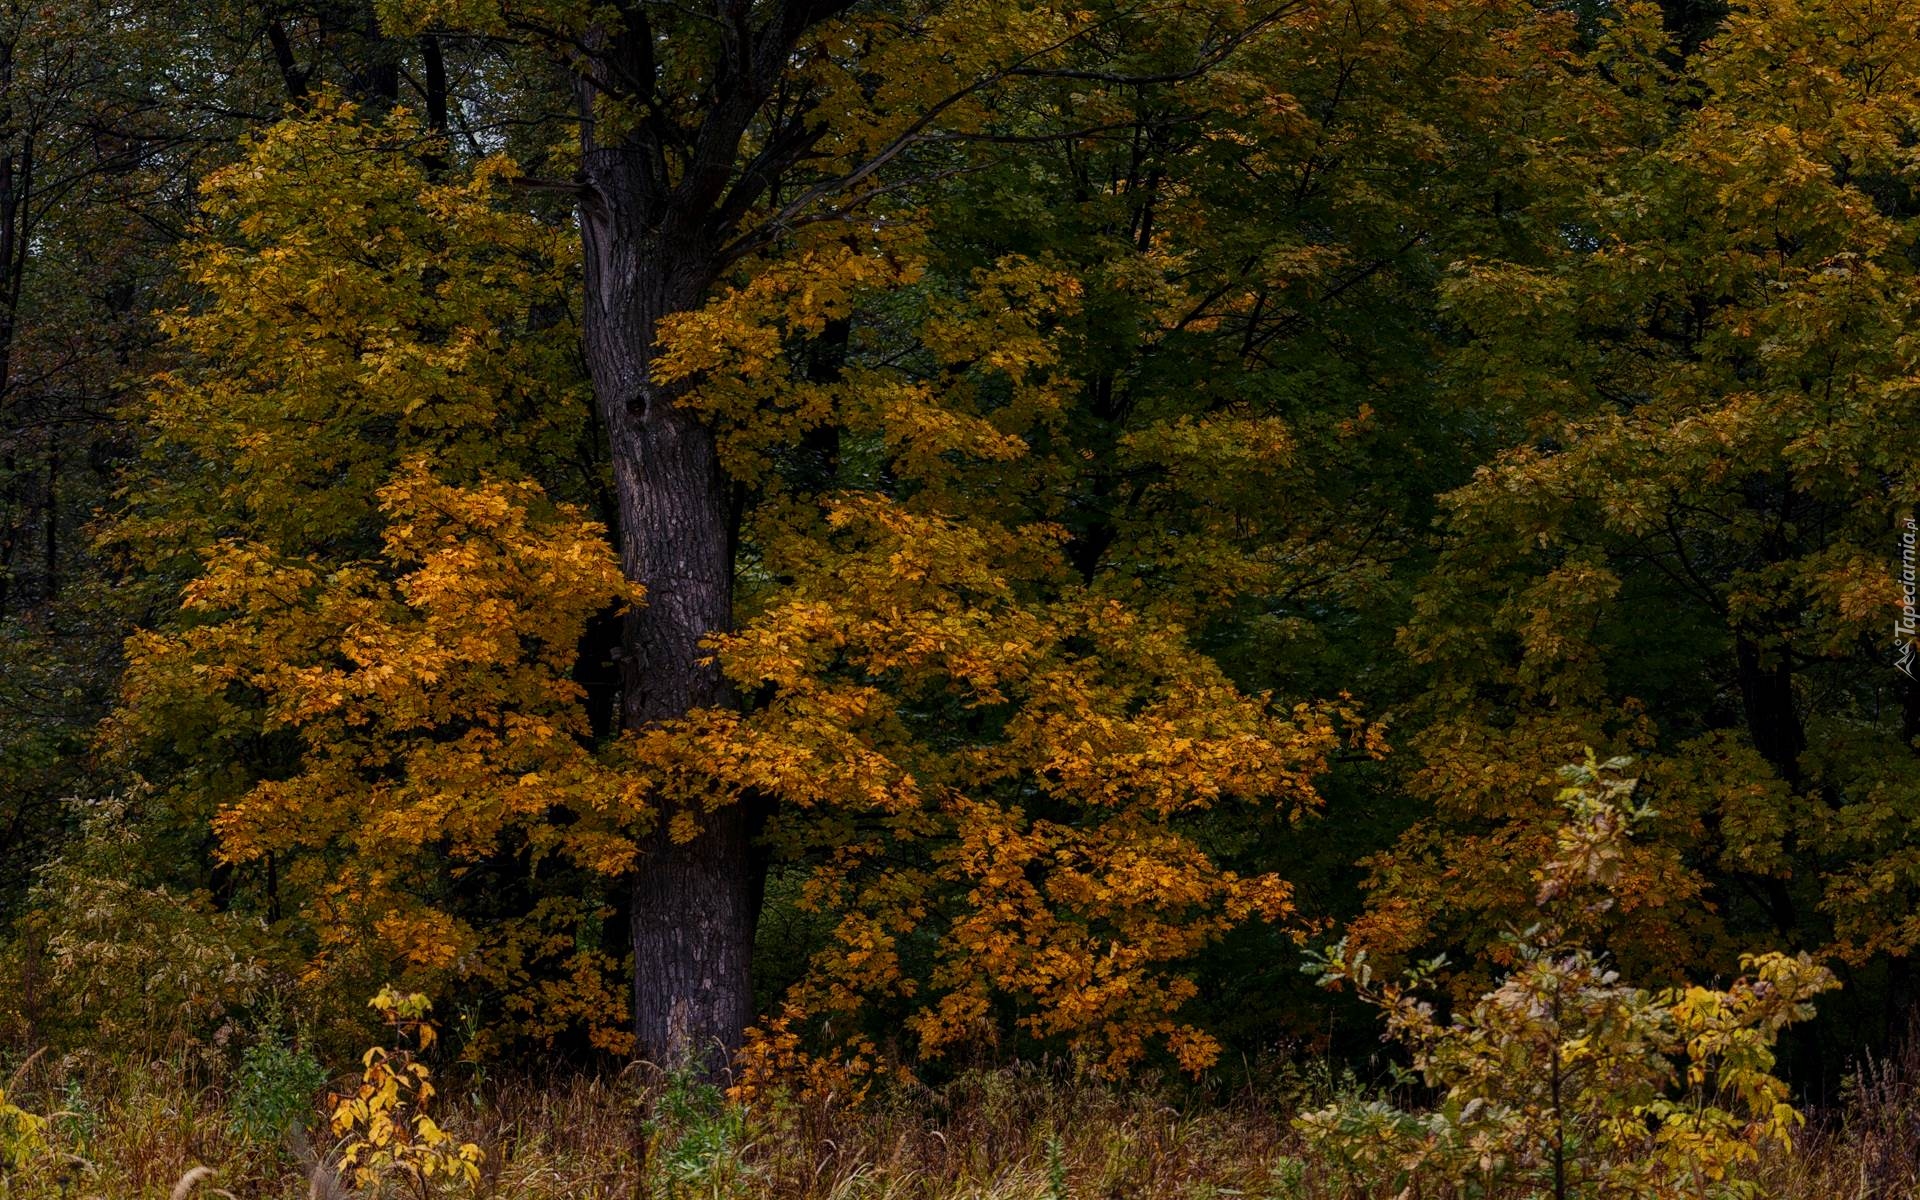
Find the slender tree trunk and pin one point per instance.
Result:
(434, 85)
(15, 176)
(1773, 721)
(50, 540)
(1909, 692)
(693, 903)
(9, 528)
(291, 76)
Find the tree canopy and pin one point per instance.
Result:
(839, 535)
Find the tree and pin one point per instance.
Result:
(368, 688)
(95, 177)
(1683, 548)
(109, 117)
(752, 182)
(709, 138)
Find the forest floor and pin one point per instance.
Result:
(120, 1130)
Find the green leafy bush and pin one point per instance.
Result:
(110, 957)
(275, 1090)
(696, 1140)
(1565, 1080)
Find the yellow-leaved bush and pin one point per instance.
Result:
(1564, 1078)
(990, 771)
(389, 1139)
(367, 685)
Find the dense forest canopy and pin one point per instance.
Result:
(838, 538)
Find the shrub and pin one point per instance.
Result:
(695, 1140)
(110, 958)
(275, 1090)
(1564, 1080)
(22, 1135)
(389, 1139)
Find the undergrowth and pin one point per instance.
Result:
(131, 1128)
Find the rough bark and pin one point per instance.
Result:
(693, 903)
(662, 200)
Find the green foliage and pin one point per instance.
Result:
(275, 1089)
(1565, 1080)
(1056, 1169)
(106, 953)
(1683, 538)
(98, 182)
(696, 1141)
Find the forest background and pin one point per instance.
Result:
(841, 551)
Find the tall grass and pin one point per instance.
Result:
(130, 1128)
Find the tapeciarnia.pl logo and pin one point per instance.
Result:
(1905, 629)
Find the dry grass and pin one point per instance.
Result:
(1866, 1149)
(127, 1131)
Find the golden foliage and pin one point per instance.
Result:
(1035, 835)
(386, 1132)
(22, 1135)
(367, 685)
(964, 743)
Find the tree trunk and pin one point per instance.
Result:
(693, 903)
(1766, 696)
